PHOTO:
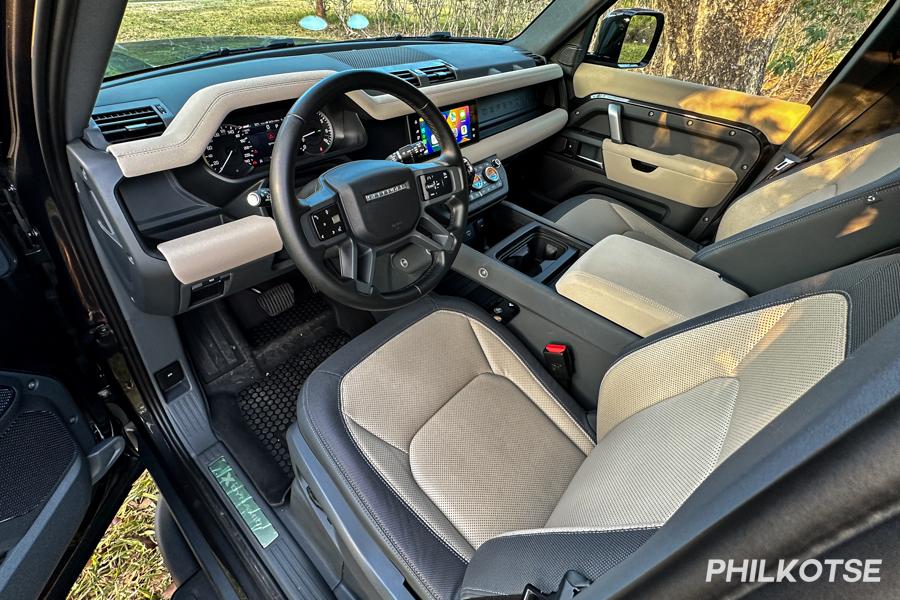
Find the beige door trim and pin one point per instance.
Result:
(775, 118)
(680, 178)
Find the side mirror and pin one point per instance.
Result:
(628, 37)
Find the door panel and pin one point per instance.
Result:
(678, 177)
(776, 119)
(45, 480)
(671, 163)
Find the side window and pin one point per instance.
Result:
(783, 49)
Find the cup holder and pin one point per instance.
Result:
(538, 254)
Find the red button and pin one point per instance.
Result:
(555, 348)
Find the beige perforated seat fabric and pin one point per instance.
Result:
(436, 443)
(448, 437)
(811, 184)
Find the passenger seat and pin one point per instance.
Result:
(821, 215)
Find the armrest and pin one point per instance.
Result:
(643, 288)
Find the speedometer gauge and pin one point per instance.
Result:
(230, 153)
(320, 137)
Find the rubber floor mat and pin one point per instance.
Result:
(303, 311)
(269, 406)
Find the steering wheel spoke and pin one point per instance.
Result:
(431, 235)
(357, 265)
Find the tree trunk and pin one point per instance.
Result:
(320, 8)
(720, 43)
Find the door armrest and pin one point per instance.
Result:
(643, 288)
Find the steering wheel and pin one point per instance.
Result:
(365, 209)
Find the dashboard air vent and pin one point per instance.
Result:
(537, 58)
(407, 76)
(438, 73)
(132, 124)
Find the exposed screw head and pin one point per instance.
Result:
(731, 132)
(652, 114)
(483, 272)
(32, 385)
(871, 198)
(743, 167)
(690, 122)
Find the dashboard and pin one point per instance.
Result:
(188, 181)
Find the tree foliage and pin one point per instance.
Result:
(783, 49)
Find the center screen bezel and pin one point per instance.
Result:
(419, 131)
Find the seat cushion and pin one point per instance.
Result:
(443, 431)
(593, 218)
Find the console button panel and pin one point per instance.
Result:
(488, 183)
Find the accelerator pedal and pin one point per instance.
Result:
(276, 300)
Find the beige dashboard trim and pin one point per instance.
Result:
(518, 138)
(186, 137)
(222, 248)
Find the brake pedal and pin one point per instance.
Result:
(276, 300)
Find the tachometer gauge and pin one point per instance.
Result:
(230, 153)
(320, 137)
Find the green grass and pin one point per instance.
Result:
(190, 18)
(127, 563)
(155, 33)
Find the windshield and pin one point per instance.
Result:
(155, 33)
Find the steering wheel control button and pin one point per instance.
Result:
(492, 174)
(437, 184)
(328, 223)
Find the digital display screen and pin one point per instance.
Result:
(463, 122)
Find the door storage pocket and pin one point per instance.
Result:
(681, 178)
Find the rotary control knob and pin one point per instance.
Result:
(259, 197)
(492, 174)
(477, 182)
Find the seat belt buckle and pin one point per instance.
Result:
(558, 360)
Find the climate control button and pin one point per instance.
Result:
(492, 174)
(477, 182)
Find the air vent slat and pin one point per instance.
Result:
(439, 73)
(537, 58)
(406, 75)
(127, 125)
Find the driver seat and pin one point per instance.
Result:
(477, 473)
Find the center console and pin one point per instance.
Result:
(509, 264)
(525, 242)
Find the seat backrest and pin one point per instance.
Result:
(684, 400)
(812, 183)
(820, 216)
(678, 405)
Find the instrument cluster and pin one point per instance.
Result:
(242, 146)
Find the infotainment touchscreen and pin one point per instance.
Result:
(463, 121)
